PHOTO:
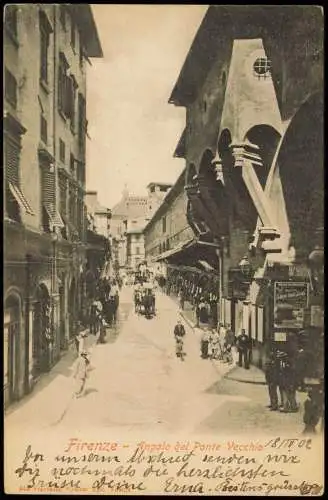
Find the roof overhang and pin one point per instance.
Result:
(86, 23)
(224, 23)
(180, 150)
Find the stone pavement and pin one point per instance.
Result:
(137, 383)
(251, 410)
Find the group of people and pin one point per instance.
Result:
(144, 298)
(200, 292)
(103, 309)
(285, 376)
(224, 345)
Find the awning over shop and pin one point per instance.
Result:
(186, 268)
(174, 251)
(194, 254)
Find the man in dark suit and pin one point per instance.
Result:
(243, 346)
(179, 333)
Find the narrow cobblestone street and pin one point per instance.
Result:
(137, 383)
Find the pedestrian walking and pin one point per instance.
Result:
(96, 309)
(197, 312)
(179, 333)
(243, 346)
(80, 342)
(300, 367)
(222, 335)
(287, 383)
(205, 341)
(215, 345)
(81, 373)
(181, 299)
(272, 379)
(229, 341)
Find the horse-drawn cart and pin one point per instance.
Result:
(144, 301)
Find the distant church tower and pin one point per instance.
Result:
(125, 192)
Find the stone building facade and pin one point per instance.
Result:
(252, 86)
(46, 50)
(169, 227)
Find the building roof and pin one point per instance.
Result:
(126, 206)
(82, 12)
(222, 23)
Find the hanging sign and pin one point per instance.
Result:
(290, 300)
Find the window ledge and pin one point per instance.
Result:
(44, 86)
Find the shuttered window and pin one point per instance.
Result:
(48, 188)
(12, 153)
(45, 30)
(50, 217)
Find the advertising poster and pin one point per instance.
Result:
(290, 300)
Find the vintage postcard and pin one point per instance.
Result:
(163, 249)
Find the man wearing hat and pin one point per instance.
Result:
(287, 383)
(272, 379)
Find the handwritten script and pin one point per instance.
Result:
(274, 467)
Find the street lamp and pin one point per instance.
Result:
(245, 266)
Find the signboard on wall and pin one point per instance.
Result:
(290, 300)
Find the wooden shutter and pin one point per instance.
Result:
(48, 189)
(12, 153)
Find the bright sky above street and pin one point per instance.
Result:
(133, 129)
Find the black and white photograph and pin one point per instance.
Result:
(163, 213)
